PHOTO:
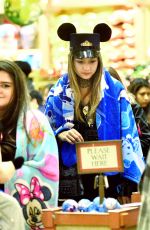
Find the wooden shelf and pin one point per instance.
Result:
(69, 7)
(124, 218)
(14, 52)
(90, 3)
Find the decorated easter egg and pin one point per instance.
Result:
(85, 205)
(70, 205)
(111, 204)
(98, 207)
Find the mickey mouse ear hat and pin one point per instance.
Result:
(84, 45)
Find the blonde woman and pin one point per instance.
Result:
(88, 104)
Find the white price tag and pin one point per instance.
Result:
(106, 182)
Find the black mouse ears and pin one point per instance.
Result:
(65, 30)
(102, 29)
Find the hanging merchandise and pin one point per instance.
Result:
(9, 36)
(123, 55)
(28, 35)
(22, 12)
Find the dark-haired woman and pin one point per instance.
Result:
(26, 133)
(140, 88)
(139, 114)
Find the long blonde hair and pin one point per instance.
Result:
(95, 88)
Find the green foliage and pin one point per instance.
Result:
(22, 12)
(142, 70)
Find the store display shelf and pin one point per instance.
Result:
(15, 54)
(65, 4)
(18, 51)
(33, 56)
(125, 218)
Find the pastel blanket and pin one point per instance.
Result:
(35, 184)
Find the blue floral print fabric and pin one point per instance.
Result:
(114, 121)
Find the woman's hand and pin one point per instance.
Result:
(71, 136)
(7, 170)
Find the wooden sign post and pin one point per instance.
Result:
(99, 157)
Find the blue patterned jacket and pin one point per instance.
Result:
(114, 121)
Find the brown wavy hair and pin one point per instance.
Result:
(19, 102)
